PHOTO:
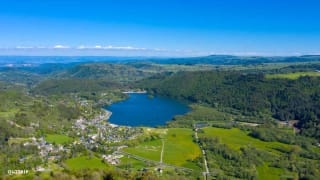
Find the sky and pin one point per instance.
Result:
(159, 27)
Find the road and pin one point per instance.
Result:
(203, 154)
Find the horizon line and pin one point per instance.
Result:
(154, 56)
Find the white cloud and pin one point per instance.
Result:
(24, 47)
(110, 47)
(81, 47)
(96, 47)
(60, 47)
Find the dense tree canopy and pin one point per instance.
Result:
(284, 99)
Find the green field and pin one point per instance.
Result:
(18, 140)
(235, 139)
(149, 150)
(58, 138)
(293, 76)
(179, 148)
(265, 173)
(85, 162)
(8, 115)
(129, 163)
(204, 113)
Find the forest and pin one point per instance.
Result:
(261, 116)
(252, 94)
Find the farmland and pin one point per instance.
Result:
(85, 162)
(149, 150)
(179, 148)
(58, 138)
(235, 139)
(236, 146)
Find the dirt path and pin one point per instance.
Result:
(203, 154)
(161, 156)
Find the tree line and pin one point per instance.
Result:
(252, 94)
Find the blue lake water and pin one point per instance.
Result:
(139, 110)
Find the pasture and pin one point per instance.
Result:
(58, 138)
(149, 150)
(292, 76)
(85, 162)
(235, 139)
(179, 148)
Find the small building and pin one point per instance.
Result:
(201, 125)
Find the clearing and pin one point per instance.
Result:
(292, 76)
(58, 138)
(85, 162)
(235, 139)
(179, 148)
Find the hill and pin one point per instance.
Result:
(64, 86)
(236, 60)
(252, 94)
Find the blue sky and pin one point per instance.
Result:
(159, 27)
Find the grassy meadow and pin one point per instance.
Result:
(58, 138)
(265, 172)
(179, 148)
(149, 150)
(85, 162)
(235, 139)
(292, 76)
(130, 163)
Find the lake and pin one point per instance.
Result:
(139, 110)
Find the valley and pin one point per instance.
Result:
(256, 121)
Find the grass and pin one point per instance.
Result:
(179, 148)
(85, 162)
(158, 131)
(149, 150)
(18, 140)
(203, 113)
(265, 173)
(235, 139)
(292, 76)
(58, 138)
(9, 114)
(131, 163)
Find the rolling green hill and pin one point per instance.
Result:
(63, 86)
(251, 94)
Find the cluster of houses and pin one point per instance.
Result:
(93, 132)
(113, 159)
(46, 150)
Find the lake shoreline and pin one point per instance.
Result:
(135, 92)
(140, 110)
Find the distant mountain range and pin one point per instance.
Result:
(27, 61)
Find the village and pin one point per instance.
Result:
(95, 135)
(99, 130)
